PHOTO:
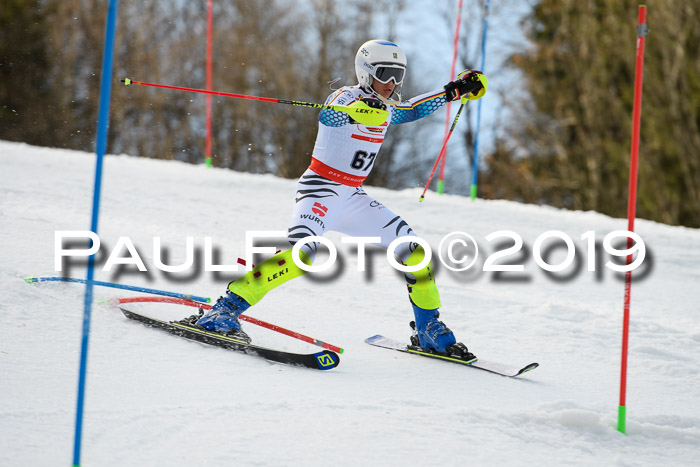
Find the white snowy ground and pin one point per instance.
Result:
(155, 399)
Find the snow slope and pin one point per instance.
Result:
(154, 399)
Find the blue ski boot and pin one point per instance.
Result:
(431, 334)
(223, 316)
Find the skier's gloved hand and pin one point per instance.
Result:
(374, 103)
(361, 112)
(469, 85)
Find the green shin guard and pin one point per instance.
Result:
(271, 273)
(423, 292)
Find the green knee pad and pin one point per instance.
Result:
(272, 273)
(423, 292)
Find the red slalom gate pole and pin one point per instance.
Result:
(209, 62)
(455, 45)
(642, 31)
(250, 319)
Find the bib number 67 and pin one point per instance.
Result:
(362, 160)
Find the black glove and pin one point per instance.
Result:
(374, 103)
(468, 83)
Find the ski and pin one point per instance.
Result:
(492, 367)
(324, 360)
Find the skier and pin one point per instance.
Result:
(329, 195)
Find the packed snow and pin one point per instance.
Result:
(156, 399)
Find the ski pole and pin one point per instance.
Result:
(30, 280)
(444, 148)
(368, 115)
(250, 319)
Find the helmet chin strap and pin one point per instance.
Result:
(387, 101)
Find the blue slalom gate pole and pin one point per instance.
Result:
(101, 147)
(113, 285)
(475, 170)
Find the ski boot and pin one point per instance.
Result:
(433, 335)
(223, 317)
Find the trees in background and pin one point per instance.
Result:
(50, 60)
(27, 96)
(569, 145)
(566, 145)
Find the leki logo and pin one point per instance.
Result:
(325, 360)
(278, 274)
(319, 209)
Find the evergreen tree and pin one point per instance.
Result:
(570, 146)
(24, 69)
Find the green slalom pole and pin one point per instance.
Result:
(441, 186)
(622, 419)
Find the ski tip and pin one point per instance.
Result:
(30, 280)
(527, 368)
(126, 81)
(369, 340)
(327, 360)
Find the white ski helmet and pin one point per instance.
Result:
(383, 61)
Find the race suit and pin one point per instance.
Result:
(329, 196)
(329, 193)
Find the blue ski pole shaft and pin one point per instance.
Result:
(120, 286)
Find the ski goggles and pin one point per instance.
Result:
(385, 73)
